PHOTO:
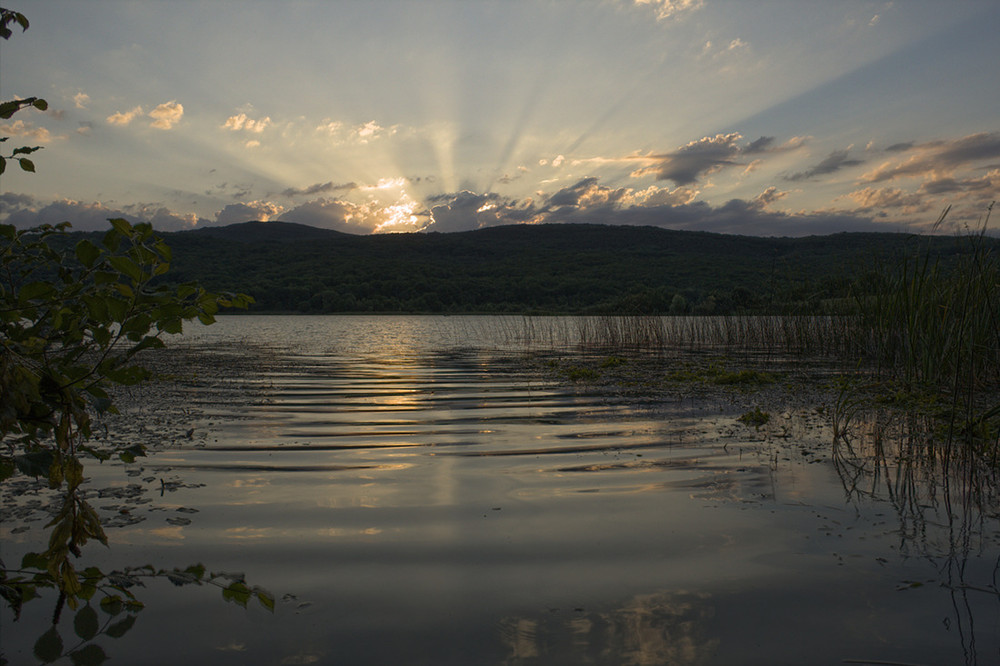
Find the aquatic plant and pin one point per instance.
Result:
(937, 328)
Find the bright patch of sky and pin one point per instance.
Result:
(790, 117)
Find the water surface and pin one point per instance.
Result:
(417, 490)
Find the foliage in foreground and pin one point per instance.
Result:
(72, 324)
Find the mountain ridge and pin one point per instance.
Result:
(554, 268)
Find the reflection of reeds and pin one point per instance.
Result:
(946, 498)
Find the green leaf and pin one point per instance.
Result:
(87, 253)
(121, 226)
(34, 463)
(238, 593)
(89, 655)
(7, 468)
(119, 629)
(34, 290)
(85, 623)
(39, 104)
(34, 561)
(49, 646)
(265, 598)
(26, 164)
(3, 164)
(127, 267)
(112, 605)
(196, 570)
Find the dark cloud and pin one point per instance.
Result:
(687, 164)
(9, 201)
(339, 215)
(588, 202)
(835, 161)
(690, 163)
(899, 147)
(734, 217)
(761, 145)
(94, 216)
(253, 211)
(467, 210)
(937, 156)
(319, 188)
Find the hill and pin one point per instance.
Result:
(545, 268)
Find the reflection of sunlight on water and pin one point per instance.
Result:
(651, 629)
(170, 533)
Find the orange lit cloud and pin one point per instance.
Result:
(166, 115)
(243, 122)
(19, 128)
(125, 118)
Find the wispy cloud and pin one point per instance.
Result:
(124, 118)
(835, 161)
(165, 116)
(27, 130)
(241, 122)
(671, 9)
(319, 188)
(80, 100)
(937, 157)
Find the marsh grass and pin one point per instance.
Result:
(935, 330)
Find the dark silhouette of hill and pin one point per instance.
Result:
(266, 232)
(546, 268)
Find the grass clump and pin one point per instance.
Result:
(577, 373)
(744, 378)
(755, 418)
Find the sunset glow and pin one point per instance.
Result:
(751, 118)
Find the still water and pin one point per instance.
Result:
(423, 490)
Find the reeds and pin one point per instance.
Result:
(936, 329)
(934, 325)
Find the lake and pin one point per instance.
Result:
(436, 490)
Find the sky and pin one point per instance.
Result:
(752, 117)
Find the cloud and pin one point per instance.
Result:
(465, 211)
(19, 128)
(671, 9)
(767, 197)
(166, 115)
(330, 127)
(869, 199)
(589, 202)
(81, 99)
(10, 202)
(319, 188)
(937, 157)
(93, 216)
(363, 133)
(687, 164)
(988, 184)
(243, 122)
(835, 161)
(370, 217)
(119, 118)
(251, 211)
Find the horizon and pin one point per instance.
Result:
(755, 119)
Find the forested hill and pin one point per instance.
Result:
(546, 268)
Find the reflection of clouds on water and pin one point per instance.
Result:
(658, 628)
